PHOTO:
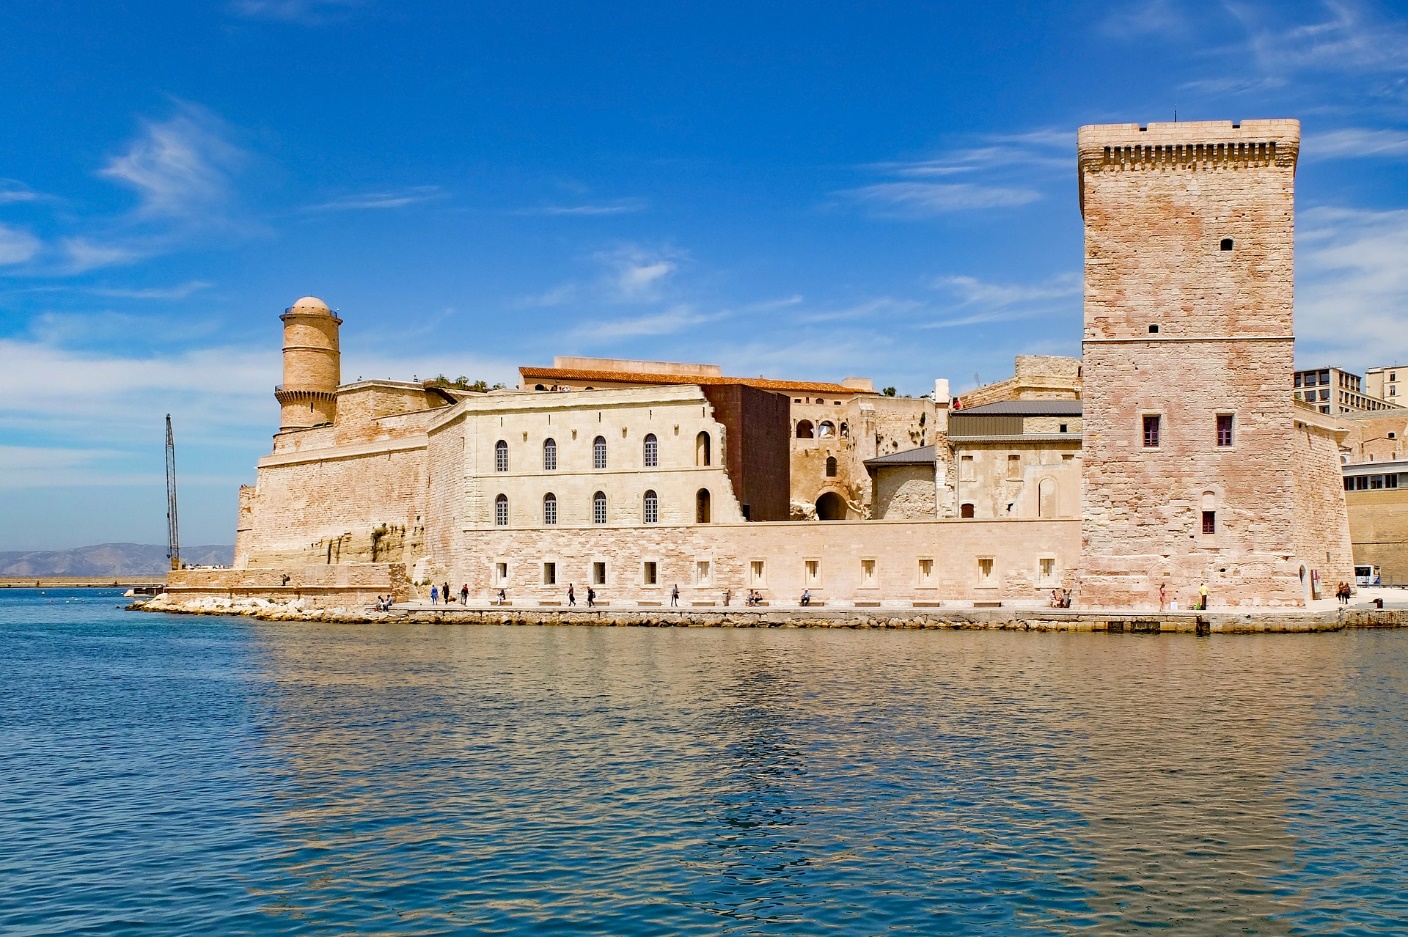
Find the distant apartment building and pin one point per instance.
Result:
(1334, 391)
(1383, 384)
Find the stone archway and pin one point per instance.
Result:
(830, 507)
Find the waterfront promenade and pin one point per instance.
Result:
(1322, 616)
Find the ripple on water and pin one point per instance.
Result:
(184, 775)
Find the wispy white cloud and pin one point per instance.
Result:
(1352, 285)
(182, 291)
(17, 246)
(180, 168)
(1151, 18)
(1349, 37)
(979, 301)
(303, 12)
(1352, 142)
(635, 274)
(999, 171)
(82, 254)
(371, 201)
(557, 296)
(12, 190)
(926, 199)
(623, 206)
(670, 321)
(861, 311)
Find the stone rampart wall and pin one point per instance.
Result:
(344, 585)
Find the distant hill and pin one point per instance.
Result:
(109, 559)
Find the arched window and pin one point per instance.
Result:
(966, 510)
(550, 509)
(599, 508)
(831, 466)
(826, 428)
(501, 456)
(501, 511)
(846, 429)
(701, 506)
(1046, 498)
(549, 455)
(804, 429)
(652, 508)
(701, 449)
(599, 452)
(652, 451)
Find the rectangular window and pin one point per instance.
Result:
(599, 574)
(926, 571)
(650, 573)
(1325, 378)
(1297, 382)
(501, 572)
(1047, 568)
(984, 570)
(1014, 467)
(965, 468)
(1151, 432)
(1390, 481)
(1063, 427)
(701, 572)
(812, 569)
(1324, 395)
(755, 573)
(1209, 522)
(867, 572)
(549, 574)
(1376, 482)
(1224, 429)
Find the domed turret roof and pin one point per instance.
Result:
(311, 304)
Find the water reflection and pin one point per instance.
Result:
(428, 780)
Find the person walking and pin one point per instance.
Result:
(571, 595)
(464, 594)
(434, 595)
(445, 593)
(675, 596)
(591, 597)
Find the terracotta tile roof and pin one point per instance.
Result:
(560, 375)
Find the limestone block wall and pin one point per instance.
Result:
(991, 476)
(905, 492)
(1188, 316)
(315, 586)
(1320, 520)
(1378, 523)
(841, 562)
(339, 505)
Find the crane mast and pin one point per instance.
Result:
(173, 537)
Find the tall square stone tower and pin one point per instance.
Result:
(1192, 443)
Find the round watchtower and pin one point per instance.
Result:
(312, 365)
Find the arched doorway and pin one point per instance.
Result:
(830, 507)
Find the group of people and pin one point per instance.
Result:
(1344, 591)
(442, 593)
(1060, 598)
(383, 603)
(753, 599)
(572, 595)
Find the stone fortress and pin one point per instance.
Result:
(1091, 475)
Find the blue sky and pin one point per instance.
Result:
(804, 190)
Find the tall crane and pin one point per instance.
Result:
(173, 537)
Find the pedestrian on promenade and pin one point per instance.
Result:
(728, 594)
(445, 593)
(1203, 595)
(464, 594)
(675, 596)
(571, 595)
(434, 595)
(1163, 598)
(502, 597)
(591, 597)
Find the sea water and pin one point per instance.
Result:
(187, 775)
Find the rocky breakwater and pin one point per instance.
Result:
(1000, 619)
